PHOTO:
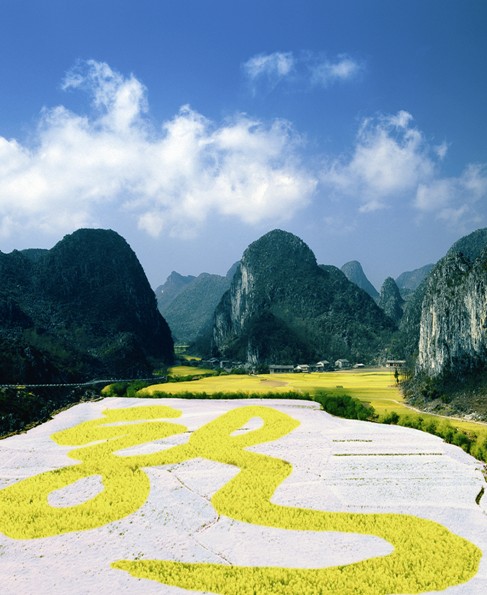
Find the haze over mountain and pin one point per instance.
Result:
(409, 281)
(188, 303)
(172, 287)
(282, 307)
(81, 310)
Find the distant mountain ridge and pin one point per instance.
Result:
(84, 309)
(391, 301)
(171, 288)
(80, 310)
(354, 272)
(190, 310)
(409, 281)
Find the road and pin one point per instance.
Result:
(90, 383)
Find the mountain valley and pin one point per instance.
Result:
(84, 310)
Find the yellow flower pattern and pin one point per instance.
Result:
(426, 555)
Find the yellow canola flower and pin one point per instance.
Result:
(426, 555)
(25, 512)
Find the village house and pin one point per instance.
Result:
(395, 363)
(323, 366)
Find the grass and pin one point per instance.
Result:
(180, 351)
(376, 387)
(191, 358)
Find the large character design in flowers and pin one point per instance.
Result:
(426, 555)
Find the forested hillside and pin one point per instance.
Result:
(283, 307)
(81, 310)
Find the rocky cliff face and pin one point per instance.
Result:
(234, 312)
(282, 307)
(82, 309)
(453, 326)
(405, 344)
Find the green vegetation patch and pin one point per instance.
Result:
(472, 442)
(344, 406)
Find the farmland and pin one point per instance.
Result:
(393, 507)
(183, 371)
(376, 387)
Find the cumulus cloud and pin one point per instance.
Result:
(454, 200)
(122, 100)
(389, 159)
(307, 69)
(112, 161)
(172, 178)
(393, 161)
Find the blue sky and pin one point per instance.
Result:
(193, 127)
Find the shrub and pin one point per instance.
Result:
(390, 418)
(344, 406)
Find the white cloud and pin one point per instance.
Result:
(442, 150)
(454, 200)
(390, 159)
(123, 101)
(307, 69)
(327, 72)
(88, 170)
(392, 162)
(275, 65)
(172, 179)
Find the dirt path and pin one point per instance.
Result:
(274, 382)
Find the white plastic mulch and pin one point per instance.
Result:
(338, 465)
